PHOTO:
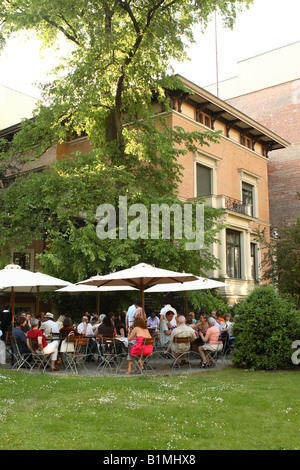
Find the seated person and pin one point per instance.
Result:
(94, 318)
(68, 328)
(219, 317)
(152, 321)
(211, 340)
(66, 331)
(49, 326)
(85, 328)
(182, 331)
(97, 323)
(51, 348)
(139, 332)
(120, 326)
(107, 327)
(190, 319)
(201, 324)
(166, 328)
(227, 327)
(27, 325)
(20, 336)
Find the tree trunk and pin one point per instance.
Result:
(114, 125)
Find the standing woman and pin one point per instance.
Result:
(139, 332)
(139, 311)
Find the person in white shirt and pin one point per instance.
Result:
(152, 321)
(168, 308)
(49, 326)
(227, 327)
(85, 328)
(130, 316)
(2, 351)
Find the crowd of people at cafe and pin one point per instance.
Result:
(205, 332)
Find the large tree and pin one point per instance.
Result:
(120, 55)
(117, 66)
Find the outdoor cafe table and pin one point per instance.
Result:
(124, 342)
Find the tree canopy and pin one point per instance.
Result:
(120, 56)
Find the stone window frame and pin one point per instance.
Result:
(253, 180)
(211, 162)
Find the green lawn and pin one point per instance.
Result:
(225, 409)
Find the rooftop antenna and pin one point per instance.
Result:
(216, 47)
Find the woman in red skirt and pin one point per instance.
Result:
(139, 332)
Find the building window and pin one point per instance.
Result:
(25, 259)
(205, 119)
(253, 261)
(203, 180)
(247, 195)
(248, 143)
(233, 254)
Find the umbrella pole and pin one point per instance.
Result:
(37, 306)
(12, 305)
(98, 302)
(143, 302)
(186, 303)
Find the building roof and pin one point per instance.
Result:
(219, 109)
(224, 112)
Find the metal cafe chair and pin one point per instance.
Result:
(76, 356)
(109, 357)
(213, 356)
(181, 357)
(20, 359)
(39, 359)
(143, 358)
(8, 346)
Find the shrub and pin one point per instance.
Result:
(265, 327)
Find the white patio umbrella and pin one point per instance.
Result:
(140, 276)
(15, 279)
(77, 288)
(200, 283)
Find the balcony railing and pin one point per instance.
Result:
(238, 206)
(228, 203)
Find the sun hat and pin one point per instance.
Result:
(49, 315)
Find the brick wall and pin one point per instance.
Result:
(278, 108)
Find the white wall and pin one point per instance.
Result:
(262, 71)
(14, 106)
